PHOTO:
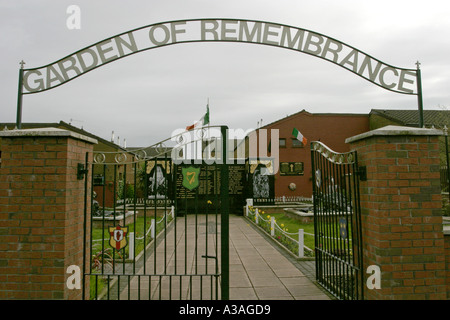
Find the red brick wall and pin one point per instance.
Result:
(401, 216)
(41, 216)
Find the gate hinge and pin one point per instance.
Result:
(81, 171)
(362, 173)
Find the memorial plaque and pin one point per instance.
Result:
(159, 179)
(209, 188)
(261, 183)
(236, 179)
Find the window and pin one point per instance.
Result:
(282, 143)
(297, 143)
(291, 168)
(99, 180)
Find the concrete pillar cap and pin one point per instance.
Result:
(46, 132)
(395, 131)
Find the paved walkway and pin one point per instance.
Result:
(258, 269)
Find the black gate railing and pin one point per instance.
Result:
(337, 222)
(157, 226)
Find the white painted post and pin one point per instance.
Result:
(131, 245)
(249, 203)
(301, 243)
(272, 226)
(153, 229)
(256, 216)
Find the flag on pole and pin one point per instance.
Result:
(202, 122)
(299, 136)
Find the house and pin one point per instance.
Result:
(293, 177)
(431, 118)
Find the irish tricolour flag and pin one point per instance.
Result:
(299, 136)
(202, 122)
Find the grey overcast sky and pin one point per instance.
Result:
(146, 96)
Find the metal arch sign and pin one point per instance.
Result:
(400, 80)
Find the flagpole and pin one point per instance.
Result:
(207, 109)
(209, 134)
(209, 121)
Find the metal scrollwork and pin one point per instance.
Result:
(140, 155)
(350, 158)
(335, 157)
(201, 134)
(99, 158)
(160, 148)
(120, 157)
(180, 139)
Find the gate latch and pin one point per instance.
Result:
(362, 173)
(81, 171)
(209, 257)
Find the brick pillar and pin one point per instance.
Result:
(401, 211)
(41, 212)
(447, 261)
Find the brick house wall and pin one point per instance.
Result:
(331, 129)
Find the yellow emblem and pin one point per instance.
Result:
(118, 239)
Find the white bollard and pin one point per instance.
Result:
(249, 204)
(131, 245)
(153, 229)
(272, 226)
(301, 243)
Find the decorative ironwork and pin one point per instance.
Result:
(332, 156)
(120, 157)
(140, 207)
(162, 149)
(99, 157)
(52, 75)
(337, 222)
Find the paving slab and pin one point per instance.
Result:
(271, 274)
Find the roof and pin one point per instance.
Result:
(410, 118)
(61, 124)
(313, 114)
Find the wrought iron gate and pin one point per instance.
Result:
(337, 221)
(157, 223)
